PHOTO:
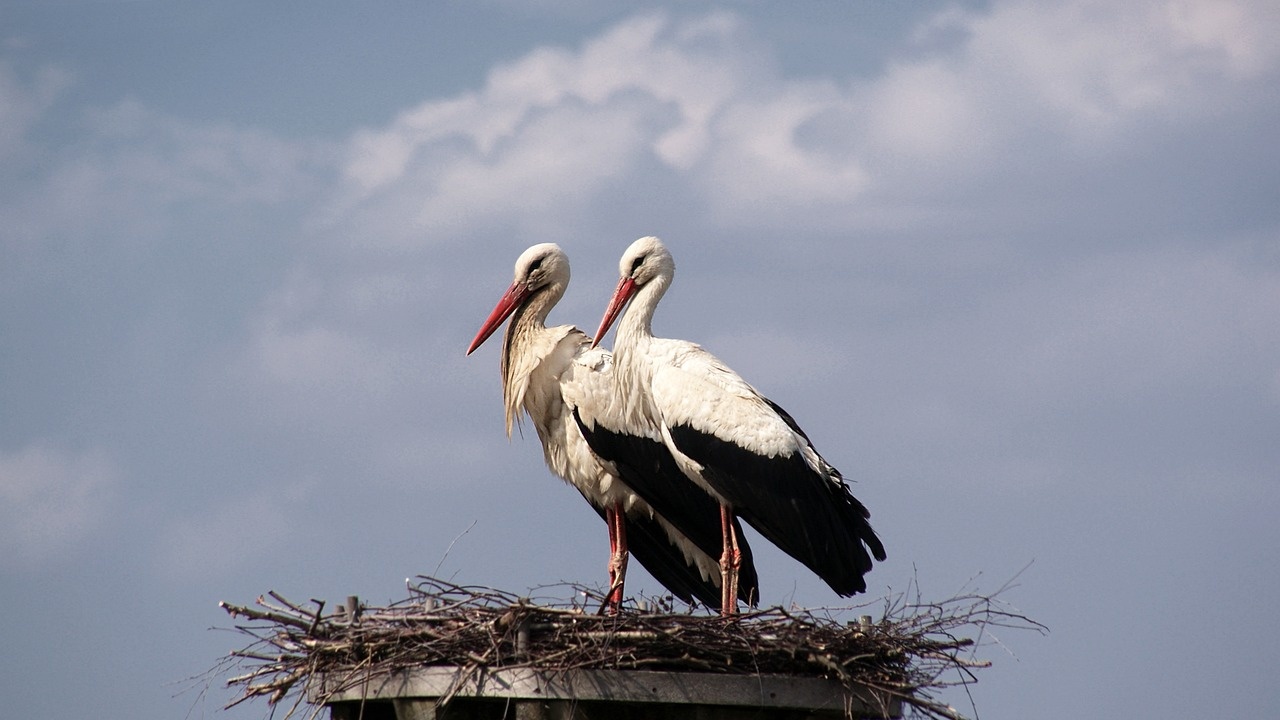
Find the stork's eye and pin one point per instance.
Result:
(533, 266)
(635, 264)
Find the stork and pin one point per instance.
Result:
(731, 440)
(552, 372)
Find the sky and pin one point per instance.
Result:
(1013, 266)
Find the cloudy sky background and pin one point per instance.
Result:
(1015, 267)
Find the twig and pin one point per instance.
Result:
(906, 656)
(451, 544)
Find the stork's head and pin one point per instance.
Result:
(541, 266)
(646, 261)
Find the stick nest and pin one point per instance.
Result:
(912, 653)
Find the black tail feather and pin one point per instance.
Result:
(811, 518)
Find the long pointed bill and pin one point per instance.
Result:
(510, 300)
(626, 288)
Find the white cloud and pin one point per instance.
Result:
(1090, 67)
(548, 131)
(760, 166)
(1093, 64)
(550, 171)
(1030, 77)
(51, 499)
(688, 66)
(923, 110)
(1241, 32)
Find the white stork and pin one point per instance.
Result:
(729, 439)
(550, 372)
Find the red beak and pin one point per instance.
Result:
(626, 288)
(510, 300)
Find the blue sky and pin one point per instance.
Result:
(1015, 268)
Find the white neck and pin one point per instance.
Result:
(632, 367)
(636, 326)
(527, 322)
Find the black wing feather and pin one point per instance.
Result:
(812, 519)
(648, 468)
(650, 547)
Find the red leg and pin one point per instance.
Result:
(621, 553)
(730, 562)
(618, 555)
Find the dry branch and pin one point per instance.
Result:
(912, 653)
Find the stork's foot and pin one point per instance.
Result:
(730, 563)
(612, 604)
(618, 556)
(617, 578)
